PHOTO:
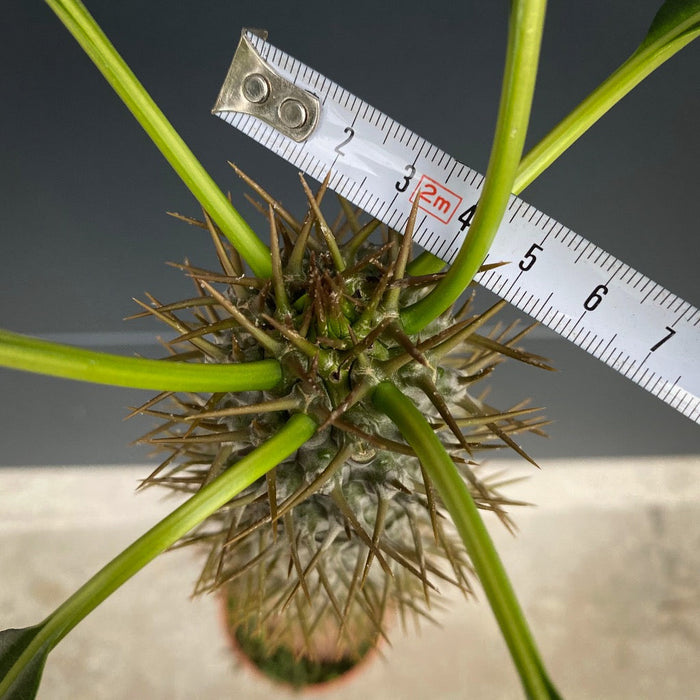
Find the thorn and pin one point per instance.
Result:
(381, 442)
(271, 480)
(350, 213)
(291, 539)
(520, 355)
(472, 407)
(277, 275)
(376, 534)
(396, 332)
(284, 404)
(431, 391)
(328, 236)
(353, 244)
(309, 349)
(200, 343)
(358, 392)
(371, 257)
(394, 293)
(151, 402)
(227, 265)
(418, 544)
(339, 499)
(351, 593)
(277, 206)
(432, 505)
(187, 219)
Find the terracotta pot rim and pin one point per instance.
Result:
(310, 688)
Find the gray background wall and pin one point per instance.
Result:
(84, 192)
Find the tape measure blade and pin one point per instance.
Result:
(556, 276)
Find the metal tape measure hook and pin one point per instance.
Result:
(252, 87)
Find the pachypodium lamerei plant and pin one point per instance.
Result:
(321, 407)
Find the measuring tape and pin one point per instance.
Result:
(570, 285)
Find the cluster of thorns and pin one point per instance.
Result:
(334, 303)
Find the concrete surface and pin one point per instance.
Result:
(606, 568)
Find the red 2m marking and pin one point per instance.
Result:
(436, 199)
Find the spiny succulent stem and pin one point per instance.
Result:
(328, 236)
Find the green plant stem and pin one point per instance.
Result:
(43, 357)
(637, 67)
(524, 39)
(644, 61)
(487, 564)
(88, 34)
(168, 531)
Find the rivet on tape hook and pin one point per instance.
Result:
(253, 87)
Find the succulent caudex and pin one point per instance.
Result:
(349, 526)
